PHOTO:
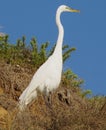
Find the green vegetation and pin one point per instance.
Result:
(31, 54)
(72, 108)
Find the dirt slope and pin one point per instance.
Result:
(68, 111)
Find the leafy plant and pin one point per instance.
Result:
(66, 51)
(86, 93)
(70, 78)
(32, 54)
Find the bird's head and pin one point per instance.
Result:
(64, 8)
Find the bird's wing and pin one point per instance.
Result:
(47, 75)
(40, 79)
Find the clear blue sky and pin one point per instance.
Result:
(85, 31)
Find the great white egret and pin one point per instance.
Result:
(48, 76)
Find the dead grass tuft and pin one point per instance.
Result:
(69, 110)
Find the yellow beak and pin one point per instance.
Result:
(73, 10)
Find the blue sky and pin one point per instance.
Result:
(86, 31)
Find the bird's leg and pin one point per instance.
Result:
(47, 100)
(47, 97)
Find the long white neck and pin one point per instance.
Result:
(58, 48)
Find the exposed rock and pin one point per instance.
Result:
(4, 119)
(1, 91)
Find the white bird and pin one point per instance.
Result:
(48, 76)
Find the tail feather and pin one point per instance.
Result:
(25, 99)
(21, 106)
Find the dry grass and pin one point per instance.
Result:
(68, 111)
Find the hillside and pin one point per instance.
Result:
(71, 109)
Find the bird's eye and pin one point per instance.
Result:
(68, 8)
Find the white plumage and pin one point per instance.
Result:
(48, 76)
